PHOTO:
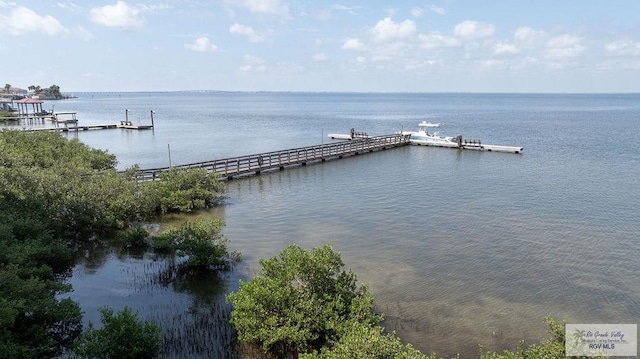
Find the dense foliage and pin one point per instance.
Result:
(78, 187)
(202, 241)
(52, 91)
(55, 193)
(368, 342)
(300, 302)
(185, 191)
(121, 336)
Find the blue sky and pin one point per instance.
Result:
(299, 45)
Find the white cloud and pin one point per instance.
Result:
(22, 20)
(253, 64)
(350, 10)
(386, 29)
(340, 7)
(525, 62)
(437, 9)
(153, 8)
(119, 15)
(627, 63)
(253, 59)
(320, 57)
(274, 7)
(353, 44)
(83, 33)
(529, 37)
(240, 29)
(201, 44)
(623, 48)
(470, 30)
(391, 51)
(419, 64)
(417, 11)
(564, 46)
(70, 6)
(92, 76)
(491, 64)
(504, 48)
(253, 68)
(436, 40)
(391, 12)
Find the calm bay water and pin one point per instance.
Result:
(459, 248)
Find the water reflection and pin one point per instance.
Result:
(92, 255)
(188, 304)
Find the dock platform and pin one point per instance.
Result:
(351, 136)
(128, 125)
(471, 145)
(64, 118)
(476, 147)
(135, 127)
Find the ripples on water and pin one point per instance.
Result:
(459, 248)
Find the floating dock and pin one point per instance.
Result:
(64, 118)
(128, 125)
(351, 136)
(228, 168)
(477, 145)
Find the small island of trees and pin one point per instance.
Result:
(44, 93)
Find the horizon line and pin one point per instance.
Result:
(363, 92)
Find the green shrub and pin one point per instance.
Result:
(122, 336)
(202, 241)
(300, 302)
(135, 236)
(186, 190)
(366, 342)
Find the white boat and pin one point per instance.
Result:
(423, 137)
(429, 124)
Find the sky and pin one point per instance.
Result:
(507, 46)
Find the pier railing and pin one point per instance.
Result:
(255, 164)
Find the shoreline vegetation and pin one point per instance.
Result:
(58, 195)
(43, 93)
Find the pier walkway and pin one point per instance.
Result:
(77, 128)
(229, 168)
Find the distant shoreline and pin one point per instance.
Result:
(359, 92)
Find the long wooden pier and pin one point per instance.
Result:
(229, 168)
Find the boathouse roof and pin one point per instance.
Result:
(29, 100)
